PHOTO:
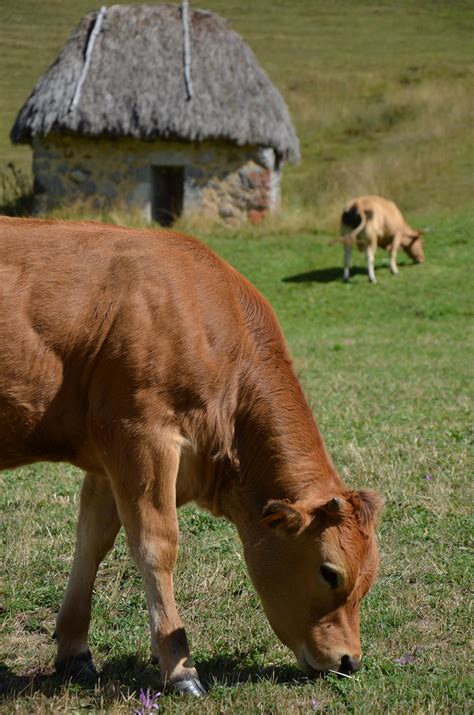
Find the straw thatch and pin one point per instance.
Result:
(135, 84)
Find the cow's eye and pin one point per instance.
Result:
(331, 577)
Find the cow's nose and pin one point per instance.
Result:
(349, 665)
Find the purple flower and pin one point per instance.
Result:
(428, 477)
(314, 704)
(408, 658)
(148, 702)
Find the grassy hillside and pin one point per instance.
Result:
(380, 92)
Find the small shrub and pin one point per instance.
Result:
(16, 191)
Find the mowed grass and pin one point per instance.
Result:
(387, 371)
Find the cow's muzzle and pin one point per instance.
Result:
(347, 666)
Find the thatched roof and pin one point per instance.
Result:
(135, 84)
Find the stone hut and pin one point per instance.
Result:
(159, 109)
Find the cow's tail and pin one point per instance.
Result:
(352, 218)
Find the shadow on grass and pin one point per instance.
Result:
(328, 275)
(13, 686)
(120, 676)
(228, 671)
(123, 676)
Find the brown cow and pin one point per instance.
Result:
(148, 362)
(374, 221)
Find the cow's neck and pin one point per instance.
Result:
(280, 451)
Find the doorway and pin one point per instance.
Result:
(167, 193)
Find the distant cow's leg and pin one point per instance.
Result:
(347, 261)
(393, 253)
(146, 500)
(97, 528)
(370, 264)
(371, 250)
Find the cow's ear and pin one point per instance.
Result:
(284, 517)
(335, 506)
(368, 506)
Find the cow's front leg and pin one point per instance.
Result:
(393, 253)
(146, 500)
(97, 528)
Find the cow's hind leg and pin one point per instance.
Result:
(97, 528)
(347, 261)
(145, 488)
(371, 249)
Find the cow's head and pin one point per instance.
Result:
(312, 564)
(413, 246)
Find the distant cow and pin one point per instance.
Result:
(151, 364)
(374, 221)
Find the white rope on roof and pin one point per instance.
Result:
(90, 46)
(186, 49)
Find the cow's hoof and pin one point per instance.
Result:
(190, 686)
(79, 668)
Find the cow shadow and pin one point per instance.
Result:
(128, 674)
(328, 275)
(118, 677)
(13, 685)
(228, 671)
(334, 275)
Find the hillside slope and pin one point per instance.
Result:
(380, 92)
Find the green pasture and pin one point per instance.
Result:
(387, 371)
(381, 96)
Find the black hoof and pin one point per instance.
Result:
(190, 686)
(79, 668)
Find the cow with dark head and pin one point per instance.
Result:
(372, 221)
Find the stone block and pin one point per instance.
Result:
(88, 187)
(51, 184)
(193, 172)
(255, 216)
(265, 158)
(141, 194)
(228, 211)
(109, 190)
(206, 157)
(78, 176)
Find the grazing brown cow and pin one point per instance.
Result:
(374, 221)
(148, 362)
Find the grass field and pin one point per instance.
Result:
(387, 371)
(380, 96)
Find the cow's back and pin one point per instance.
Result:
(384, 216)
(94, 318)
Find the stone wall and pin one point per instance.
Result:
(235, 183)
